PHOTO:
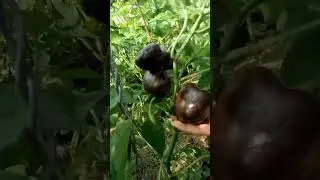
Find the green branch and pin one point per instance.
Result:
(168, 153)
(226, 45)
(201, 158)
(251, 48)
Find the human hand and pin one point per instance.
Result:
(201, 129)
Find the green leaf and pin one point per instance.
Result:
(162, 23)
(119, 144)
(56, 106)
(127, 96)
(195, 174)
(153, 133)
(299, 15)
(141, 2)
(272, 10)
(301, 65)
(84, 102)
(205, 80)
(281, 23)
(18, 169)
(203, 62)
(114, 118)
(5, 175)
(12, 155)
(14, 116)
(65, 109)
(114, 98)
(69, 12)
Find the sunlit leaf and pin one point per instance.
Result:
(119, 144)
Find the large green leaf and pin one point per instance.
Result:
(153, 133)
(127, 96)
(114, 98)
(160, 27)
(299, 15)
(205, 80)
(272, 10)
(12, 155)
(302, 63)
(14, 116)
(84, 102)
(119, 144)
(7, 175)
(69, 12)
(17, 169)
(61, 108)
(194, 174)
(56, 107)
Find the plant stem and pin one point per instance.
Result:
(193, 30)
(201, 158)
(240, 52)
(232, 29)
(226, 45)
(192, 59)
(172, 144)
(184, 27)
(183, 79)
(202, 30)
(168, 153)
(144, 21)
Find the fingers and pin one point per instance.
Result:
(205, 129)
(202, 129)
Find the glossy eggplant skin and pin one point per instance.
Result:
(154, 59)
(192, 105)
